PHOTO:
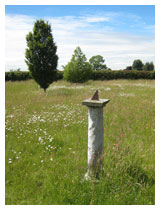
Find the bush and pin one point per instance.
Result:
(78, 69)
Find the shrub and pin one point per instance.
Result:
(78, 69)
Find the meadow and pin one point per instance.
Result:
(46, 144)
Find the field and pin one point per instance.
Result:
(46, 144)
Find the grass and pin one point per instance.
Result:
(46, 144)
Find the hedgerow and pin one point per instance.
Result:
(122, 74)
(95, 75)
(25, 75)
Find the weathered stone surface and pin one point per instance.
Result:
(95, 103)
(95, 139)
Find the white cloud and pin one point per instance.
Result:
(92, 19)
(118, 49)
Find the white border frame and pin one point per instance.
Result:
(2, 91)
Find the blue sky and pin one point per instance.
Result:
(119, 33)
(67, 10)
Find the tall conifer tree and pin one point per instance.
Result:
(41, 55)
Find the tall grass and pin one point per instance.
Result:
(46, 144)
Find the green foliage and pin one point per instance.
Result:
(78, 69)
(41, 55)
(122, 74)
(128, 68)
(25, 75)
(137, 65)
(148, 66)
(59, 75)
(94, 75)
(17, 75)
(97, 62)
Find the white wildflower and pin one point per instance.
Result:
(40, 138)
(50, 140)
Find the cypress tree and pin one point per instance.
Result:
(40, 54)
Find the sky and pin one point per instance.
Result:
(120, 34)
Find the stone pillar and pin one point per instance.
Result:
(95, 136)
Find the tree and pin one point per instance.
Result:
(41, 55)
(97, 62)
(128, 68)
(78, 69)
(137, 65)
(148, 66)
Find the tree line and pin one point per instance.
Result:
(139, 65)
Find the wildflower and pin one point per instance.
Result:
(51, 159)
(9, 161)
(45, 133)
(40, 139)
(17, 157)
(41, 161)
(50, 140)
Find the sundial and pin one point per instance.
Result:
(95, 134)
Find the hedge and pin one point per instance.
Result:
(122, 74)
(96, 75)
(25, 75)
